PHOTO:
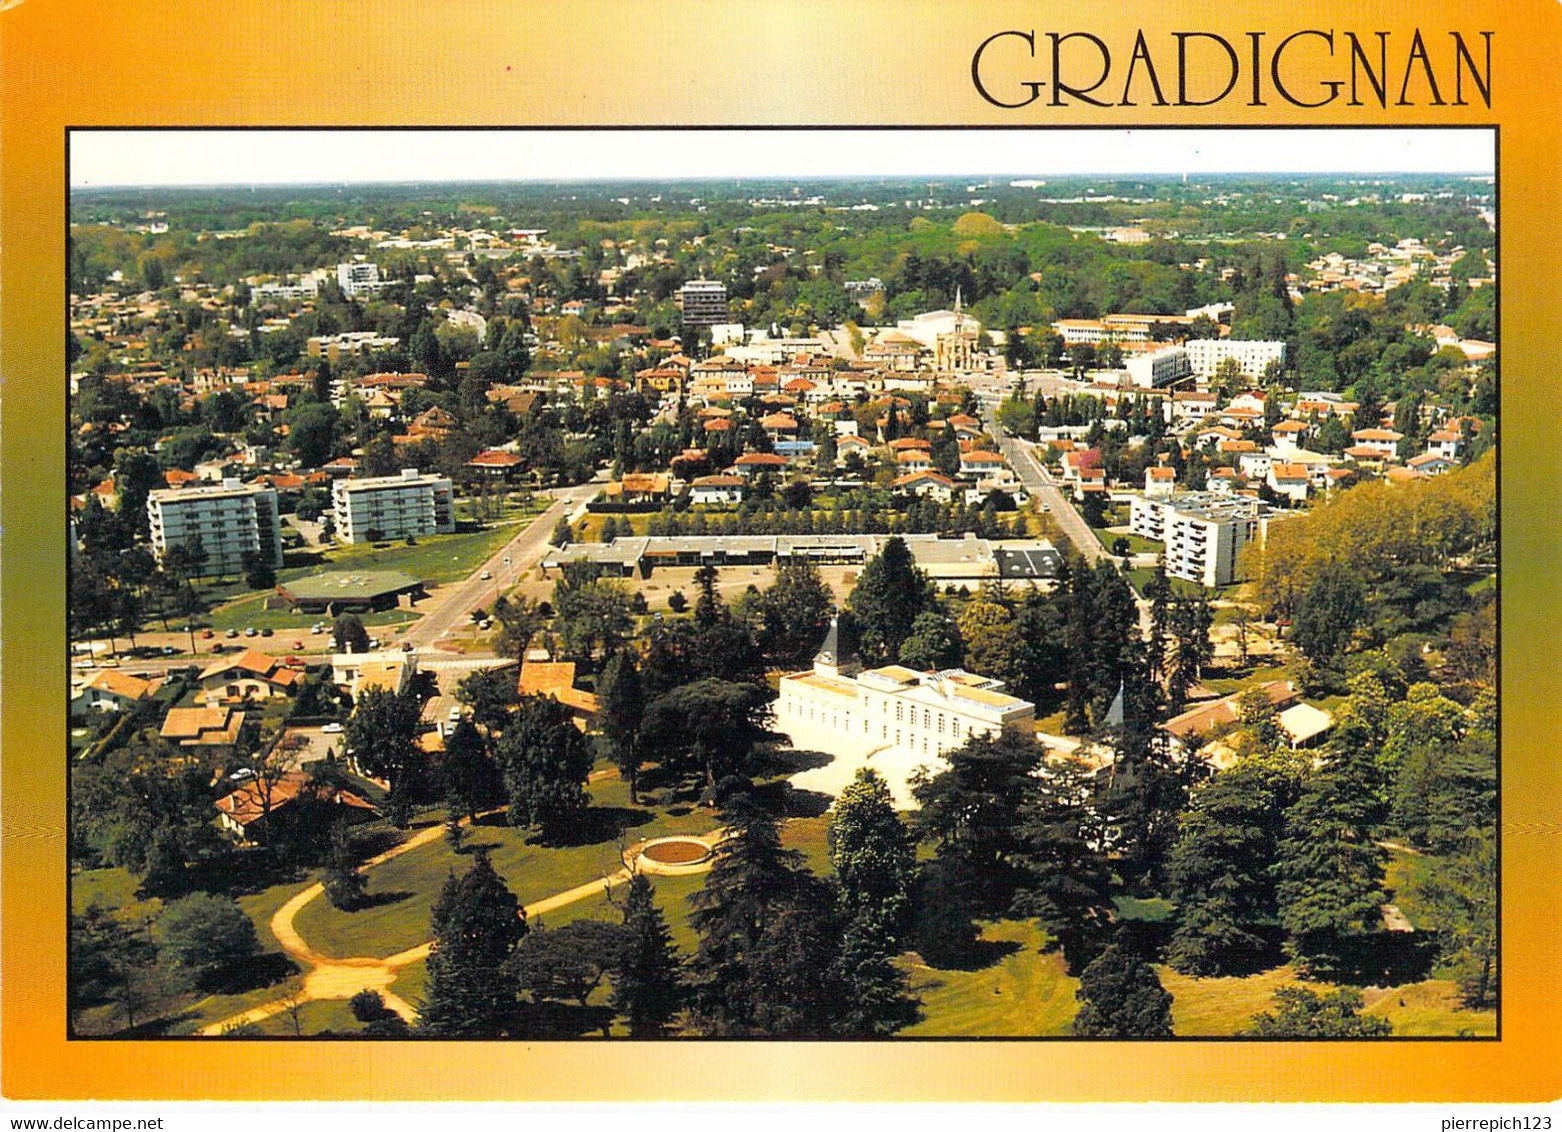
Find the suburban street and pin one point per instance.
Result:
(1023, 460)
(453, 604)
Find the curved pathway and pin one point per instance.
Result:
(326, 977)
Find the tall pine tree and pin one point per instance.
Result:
(477, 923)
(646, 985)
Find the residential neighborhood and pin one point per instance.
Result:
(671, 608)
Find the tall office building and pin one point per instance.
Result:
(704, 302)
(226, 520)
(390, 507)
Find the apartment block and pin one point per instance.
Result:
(391, 507)
(1158, 367)
(704, 302)
(1205, 534)
(1206, 354)
(227, 521)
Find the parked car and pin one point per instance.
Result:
(250, 631)
(486, 575)
(316, 630)
(332, 729)
(265, 632)
(231, 633)
(206, 634)
(169, 650)
(298, 646)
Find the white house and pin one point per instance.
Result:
(721, 489)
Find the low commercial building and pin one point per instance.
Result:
(945, 560)
(1204, 533)
(411, 505)
(895, 719)
(223, 523)
(357, 591)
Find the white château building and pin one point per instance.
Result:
(894, 719)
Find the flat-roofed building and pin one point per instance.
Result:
(704, 302)
(946, 561)
(225, 522)
(1158, 367)
(896, 719)
(389, 507)
(1205, 534)
(1254, 356)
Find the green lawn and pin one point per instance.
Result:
(332, 1014)
(1222, 1007)
(407, 886)
(1259, 675)
(1181, 587)
(437, 558)
(116, 889)
(1026, 993)
(1136, 543)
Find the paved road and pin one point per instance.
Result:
(1023, 460)
(456, 601)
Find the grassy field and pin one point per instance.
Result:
(402, 891)
(181, 1012)
(1137, 544)
(438, 558)
(1223, 1007)
(1258, 675)
(1026, 993)
(1141, 577)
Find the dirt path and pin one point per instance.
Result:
(326, 977)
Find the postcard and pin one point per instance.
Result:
(614, 564)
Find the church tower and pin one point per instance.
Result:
(838, 655)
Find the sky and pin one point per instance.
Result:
(101, 158)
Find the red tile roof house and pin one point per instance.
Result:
(779, 424)
(1384, 440)
(1192, 727)
(246, 812)
(251, 675)
(929, 485)
(1079, 461)
(978, 463)
(496, 464)
(753, 463)
(209, 730)
(109, 689)
(716, 489)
